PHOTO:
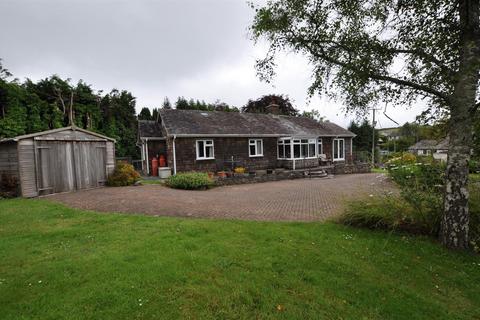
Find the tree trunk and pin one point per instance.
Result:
(455, 220)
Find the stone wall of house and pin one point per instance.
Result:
(224, 149)
(341, 168)
(274, 176)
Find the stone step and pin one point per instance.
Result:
(317, 174)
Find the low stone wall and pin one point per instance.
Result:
(352, 168)
(259, 177)
(281, 174)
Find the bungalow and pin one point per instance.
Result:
(192, 140)
(437, 149)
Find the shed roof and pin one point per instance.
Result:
(41, 133)
(149, 128)
(218, 123)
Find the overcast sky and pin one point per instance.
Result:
(193, 48)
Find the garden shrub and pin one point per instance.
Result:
(190, 181)
(386, 213)
(8, 186)
(123, 175)
(403, 159)
(474, 166)
(419, 207)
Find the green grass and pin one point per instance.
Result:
(379, 170)
(61, 263)
(474, 177)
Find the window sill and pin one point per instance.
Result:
(310, 158)
(256, 156)
(200, 159)
(343, 159)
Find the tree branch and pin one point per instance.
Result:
(376, 76)
(426, 57)
(59, 96)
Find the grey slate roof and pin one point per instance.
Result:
(217, 123)
(424, 145)
(149, 128)
(443, 144)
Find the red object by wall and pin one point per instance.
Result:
(161, 161)
(154, 171)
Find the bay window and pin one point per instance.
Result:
(255, 147)
(205, 150)
(338, 149)
(299, 148)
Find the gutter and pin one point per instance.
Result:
(232, 135)
(174, 156)
(146, 156)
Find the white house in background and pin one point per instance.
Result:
(437, 149)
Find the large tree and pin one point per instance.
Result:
(271, 103)
(363, 140)
(30, 107)
(395, 51)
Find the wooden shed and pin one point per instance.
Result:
(59, 160)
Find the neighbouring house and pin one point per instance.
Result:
(59, 160)
(437, 149)
(192, 140)
(393, 133)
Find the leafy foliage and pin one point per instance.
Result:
(272, 103)
(418, 208)
(145, 114)
(313, 114)
(184, 104)
(390, 51)
(190, 181)
(30, 107)
(123, 175)
(363, 140)
(353, 46)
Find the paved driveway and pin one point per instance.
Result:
(300, 200)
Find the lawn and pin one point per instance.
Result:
(475, 177)
(61, 263)
(379, 170)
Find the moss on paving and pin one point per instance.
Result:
(62, 263)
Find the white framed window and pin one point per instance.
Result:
(338, 149)
(284, 148)
(255, 147)
(297, 148)
(320, 147)
(205, 150)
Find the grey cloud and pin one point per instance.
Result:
(194, 48)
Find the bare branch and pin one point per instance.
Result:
(70, 113)
(59, 96)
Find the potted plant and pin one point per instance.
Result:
(239, 171)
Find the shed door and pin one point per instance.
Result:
(64, 166)
(90, 164)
